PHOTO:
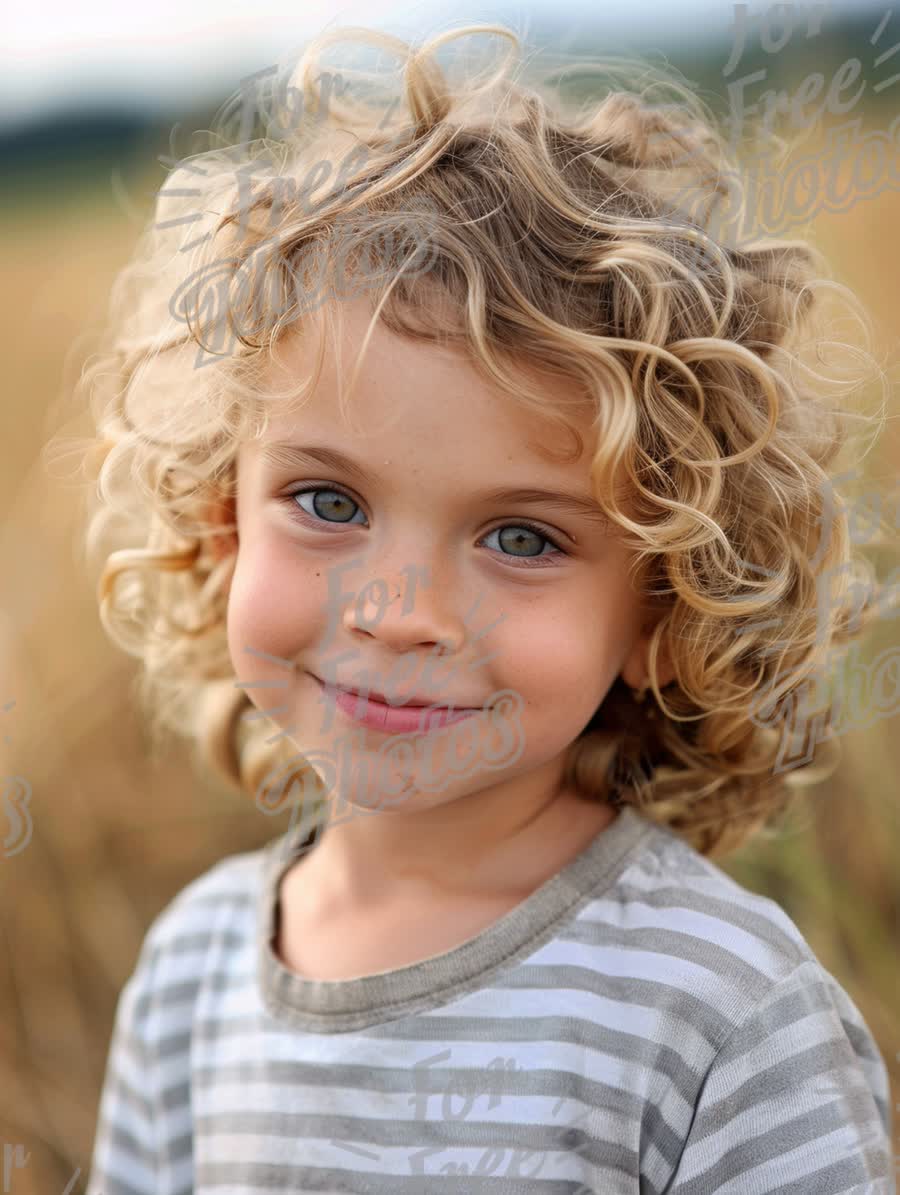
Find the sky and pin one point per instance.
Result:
(173, 52)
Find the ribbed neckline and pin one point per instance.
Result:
(335, 1006)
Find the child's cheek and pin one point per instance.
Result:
(575, 650)
(276, 605)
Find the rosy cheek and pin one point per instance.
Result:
(276, 605)
(562, 669)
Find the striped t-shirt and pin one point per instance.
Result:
(639, 1024)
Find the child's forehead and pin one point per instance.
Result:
(305, 439)
(388, 390)
(422, 433)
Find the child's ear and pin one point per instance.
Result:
(221, 511)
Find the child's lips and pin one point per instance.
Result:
(402, 719)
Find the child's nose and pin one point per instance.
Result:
(408, 615)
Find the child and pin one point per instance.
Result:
(516, 609)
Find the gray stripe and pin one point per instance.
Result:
(861, 1041)
(202, 940)
(178, 1045)
(125, 1142)
(781, 1139)
(675, 944)
(126, 1097)
(495, 1031)
(262, 1176)
(786, 1075)
(704, 1018)
(117, 1185)
(176, 1149)
(729, 912)
(833, 1180)
(175, 1097)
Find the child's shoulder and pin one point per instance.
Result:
(668, 873)
(705, 934)
(779, 1051)
(205, 926)
(728, 967)
(223, 894)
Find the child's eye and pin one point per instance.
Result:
(517, 535)
(335, 508)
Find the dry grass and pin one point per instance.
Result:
(115, 837)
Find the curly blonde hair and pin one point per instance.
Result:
(517, 226)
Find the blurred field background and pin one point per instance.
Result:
(117, 835)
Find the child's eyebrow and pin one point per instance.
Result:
(286, 455)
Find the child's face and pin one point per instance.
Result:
(471, 602)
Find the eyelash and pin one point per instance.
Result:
(304, 517)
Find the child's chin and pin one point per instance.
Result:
(401, 794)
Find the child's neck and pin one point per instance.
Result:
(515, 867)
(325, 935)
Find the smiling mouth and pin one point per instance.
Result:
(379, 699)
(381, 716)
